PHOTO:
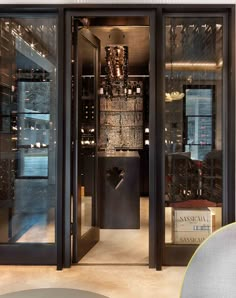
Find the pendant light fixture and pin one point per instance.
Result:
(173, 94)
(117, 66)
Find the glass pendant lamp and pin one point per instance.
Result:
(173, 94)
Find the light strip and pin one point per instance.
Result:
(196, 66)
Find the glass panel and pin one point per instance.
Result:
(199, 130)
(198, 101)
(34, 98)
(193, 128)
(88, 133)
(28, 142)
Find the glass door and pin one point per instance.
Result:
(84, 127)
(28, 139)
(194, 139)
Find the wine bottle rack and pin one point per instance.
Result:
(121, 117)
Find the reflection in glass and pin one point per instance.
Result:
(88, 134)
(33, 128)
(193, 129)
(199, 121)
(28, 129)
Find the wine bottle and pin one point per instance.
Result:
(101, 90)
(138, 88)
(129, 89)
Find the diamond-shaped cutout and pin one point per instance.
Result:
(115, 177)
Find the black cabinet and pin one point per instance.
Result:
(118, 190)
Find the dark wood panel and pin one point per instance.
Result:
(28, 254)
(178, 255)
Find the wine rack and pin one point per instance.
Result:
(88, 123)
(121, 117)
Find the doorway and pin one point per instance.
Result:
(110, 137)
(161, 74)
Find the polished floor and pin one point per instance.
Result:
(122, 246)
(116, 267)
(113, 281)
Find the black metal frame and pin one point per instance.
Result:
(228, 113)
(180, 254)
(62, 166)
(156, 139)
(36, 253)
(83, 243)
(109, 13)
(22, 254)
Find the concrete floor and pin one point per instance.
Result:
(110, 280)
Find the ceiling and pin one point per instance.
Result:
(193, 40)
(135, 37)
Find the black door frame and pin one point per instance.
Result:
(83, 243)
(37, 253)
(152, 201)
(181, 254)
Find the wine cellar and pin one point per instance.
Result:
(115, 121)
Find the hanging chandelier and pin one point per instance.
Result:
(117, 59)
(173, 94)
(117, 66)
